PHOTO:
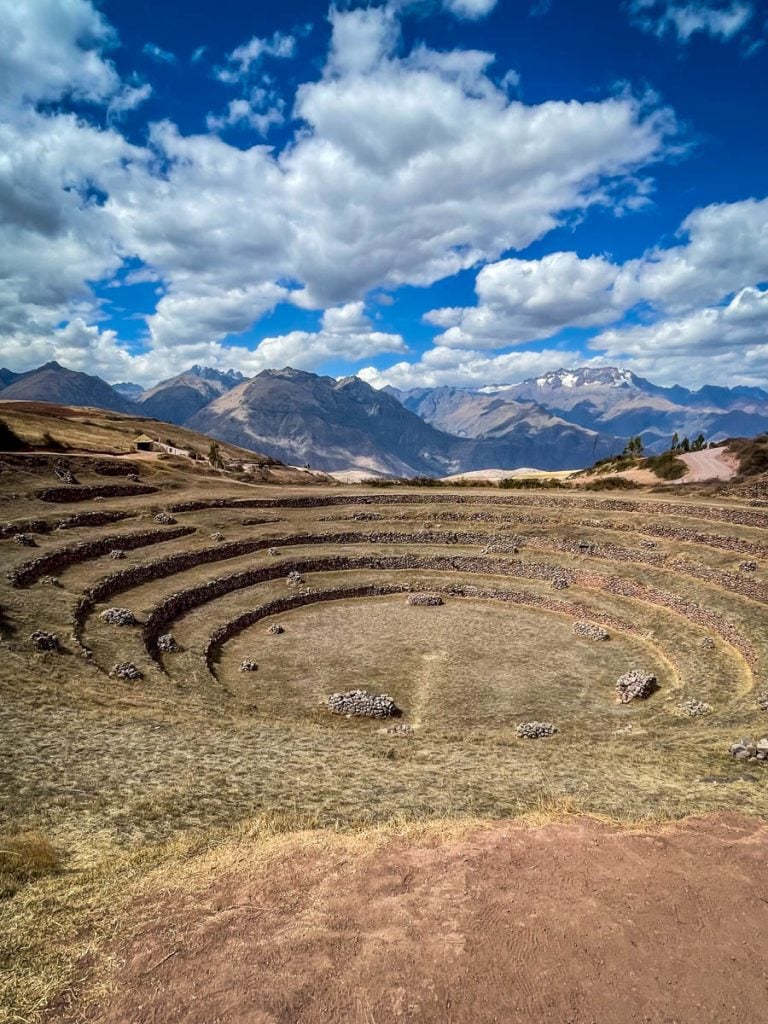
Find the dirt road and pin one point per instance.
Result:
(573, 923)
(709, 464)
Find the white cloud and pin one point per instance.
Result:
(683, 20)
(159, 54)
(524, 300)
(244, 59)
(470, 9)
(53, 48)
(129, 98)
(345, 333)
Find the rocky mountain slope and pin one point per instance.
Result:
(55, 383)
(338, 425)
(178, 399)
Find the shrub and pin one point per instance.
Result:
(24, 858)
(667, 466)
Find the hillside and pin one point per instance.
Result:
(178, 399)
(347, 425)
(45, 427)
(55, 383)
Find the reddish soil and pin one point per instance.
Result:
(574, 923)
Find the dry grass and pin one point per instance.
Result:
(109, 789)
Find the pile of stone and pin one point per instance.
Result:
(362, 704)
(427, 600)
(635, 685)
(748, 566)
(64, 473)
(708, 643)
(26, 540)
(117, 553)
(586, 547)
(560, 581)
(218, 536)
(118, 617)
(248, 666)
(126, 670)
(50, 581)
(274, 552)
(762, 701)
(747, 750)
(167, 643)
(164, 519)
(294, 578)
(43, 641)
(535, 730)
(590, 630)
(400, 729)
(275, 629)
(647, 543)
(695, 708)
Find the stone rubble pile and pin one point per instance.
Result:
(26, 540)
(275, 629)
(745, 749)
(217, 536)
(695, 708)
(635, 685)
(248, 666)
(400, 729)
(118, 617)
(43, 641)
(62, 472)
(427, 600)
(117, 554)
(126, 670)
(50, 581)
(362, 704)
(590, 630)
(294, 578)
(167, 643)
(648, 544)
(762, 701)
(561, 581)
(274, 552)
(708, 643)
(748, 566)
(535, 730)
(165, 519)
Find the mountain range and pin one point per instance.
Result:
(565, 419)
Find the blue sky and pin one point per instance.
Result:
(425, 192)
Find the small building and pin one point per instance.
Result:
(144, 443)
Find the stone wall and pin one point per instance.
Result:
(89, 492)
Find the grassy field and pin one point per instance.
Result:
(107, 784)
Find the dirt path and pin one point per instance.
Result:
(575, 923)
(709, 464)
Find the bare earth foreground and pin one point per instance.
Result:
(572, 922)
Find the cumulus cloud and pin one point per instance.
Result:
(683, 20)
(524, 300)
(406, 168)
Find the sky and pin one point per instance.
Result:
(422, 192)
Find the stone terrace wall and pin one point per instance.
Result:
(67, 523)
(91, 491)
(54, 561)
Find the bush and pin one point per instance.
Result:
(667, 466)
(526, 483)
(611, 483)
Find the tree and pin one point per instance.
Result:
(675, 442)
(214, 455)
(634, 447)
(685, 445)
(699, 443)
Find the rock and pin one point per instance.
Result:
(535, 730)
(50, 581)
(217, 536)
(360, 703)
(762, 701)
(560, 581)
(274, 552)
(126, 670)
(167, 643)
(248, 666)
(590, 630)
(117, 553)
(64, 473)
(748, 566)
(275, 629)
(695, 708)
(425, 600)
(164, 519)
(118, 617)
(294, 578)
(26, 540)
(708, 643)
(43, 641)
(635, 685)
